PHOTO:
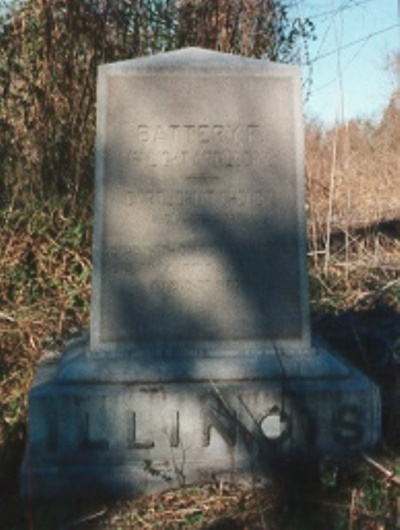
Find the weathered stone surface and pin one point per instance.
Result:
(118, 439)
(199, 250)
(199, 362)
(200, 227)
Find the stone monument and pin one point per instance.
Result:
(199, 361)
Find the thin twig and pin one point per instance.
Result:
(352, 506)
(332, 183)
(8, 318)
(397, 513)
(263, 522)
(85, 519)
(390, 475)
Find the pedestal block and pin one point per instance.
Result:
(199, 363)
(123, 438)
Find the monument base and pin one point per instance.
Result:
(79, 365)
(118, 439)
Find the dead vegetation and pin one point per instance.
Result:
(354, 283)
(353, 202)
(353, 212)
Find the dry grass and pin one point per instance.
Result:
(47, 69)
(44, 297)
(49, 53)
(353, 173)
(353, 202)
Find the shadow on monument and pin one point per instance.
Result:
(201, 264)
(368, 338)
(235, 275)
(251, 290)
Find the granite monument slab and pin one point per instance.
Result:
(199, 360)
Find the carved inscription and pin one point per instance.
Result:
(175, 431)
(214, 179)
(216, 414)
(89, 443)
(348, 425)
(193, 145)
(187, 159)
(133, 441)
(51, 428)
(196, 133)
(236, 199)
(228, 420)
